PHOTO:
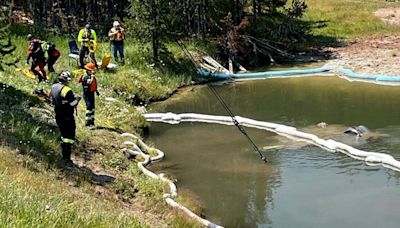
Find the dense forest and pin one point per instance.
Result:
(6, 46)
(244, 29)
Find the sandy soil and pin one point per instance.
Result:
(379, 54)
(389, 15)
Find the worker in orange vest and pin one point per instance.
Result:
(117, 37)
(89, 84)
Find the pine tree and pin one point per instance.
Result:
(151, 22)
(7, 49)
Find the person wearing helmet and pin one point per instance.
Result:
(117, 37)
(35, 51)
(89, 84)
(88, 38)
(65, 102)
(30, 37)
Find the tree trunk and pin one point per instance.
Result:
(255, 11)
(154, 36)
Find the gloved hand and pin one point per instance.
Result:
(97, 92)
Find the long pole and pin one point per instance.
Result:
(226, 107)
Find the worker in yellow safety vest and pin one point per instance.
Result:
(88, 39)
(64, 102)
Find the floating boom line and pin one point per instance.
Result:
(370, 158)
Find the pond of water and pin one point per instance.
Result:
(303, 185)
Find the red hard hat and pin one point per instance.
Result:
(90, 66)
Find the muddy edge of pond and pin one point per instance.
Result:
(375, 55)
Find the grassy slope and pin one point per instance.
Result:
(34, 199)
(28, 131)
(349, 19)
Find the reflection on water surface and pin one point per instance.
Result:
(303, 186)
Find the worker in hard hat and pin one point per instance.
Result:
(65, 102)
(88, 39)
(89, 84)
(117, 37)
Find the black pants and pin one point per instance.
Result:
(51, 61)
(89, 98)
(83, 51)
(67, 128)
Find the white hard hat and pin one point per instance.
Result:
(116, 23)
(65, 76)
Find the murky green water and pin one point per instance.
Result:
(302, 186)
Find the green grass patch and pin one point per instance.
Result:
(348, 19)
(41, 200)
(29, 135)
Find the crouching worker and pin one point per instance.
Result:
(65, 102)
(89, 84)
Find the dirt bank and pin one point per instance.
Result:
(379, 55)
(389, 15)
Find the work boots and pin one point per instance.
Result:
(66, 150)
(89, 122)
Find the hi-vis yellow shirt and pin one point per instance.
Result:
(86, 34)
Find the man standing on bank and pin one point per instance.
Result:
(87, 37)
(89, 84)
(65, 102)
(117, 37)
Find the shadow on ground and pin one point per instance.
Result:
(34, 136)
